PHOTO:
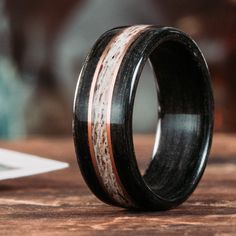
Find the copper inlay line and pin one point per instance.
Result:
(90, 107)
(99, 111)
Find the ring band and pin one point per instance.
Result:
(102, 120)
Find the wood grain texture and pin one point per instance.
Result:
(59, 203)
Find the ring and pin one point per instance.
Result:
(102, 117)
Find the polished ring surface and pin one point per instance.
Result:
(102, 120)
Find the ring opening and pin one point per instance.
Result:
(182, 100)
(145, 117)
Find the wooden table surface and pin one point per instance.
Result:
(59, 203)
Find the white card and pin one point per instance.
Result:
(15, 164)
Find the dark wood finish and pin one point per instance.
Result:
(60, 202)
(185, 111)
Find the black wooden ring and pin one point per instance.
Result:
(102, 123)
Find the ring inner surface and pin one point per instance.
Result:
(176, 162)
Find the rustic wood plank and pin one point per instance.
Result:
(60, 203)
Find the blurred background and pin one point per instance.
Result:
(43, 44)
